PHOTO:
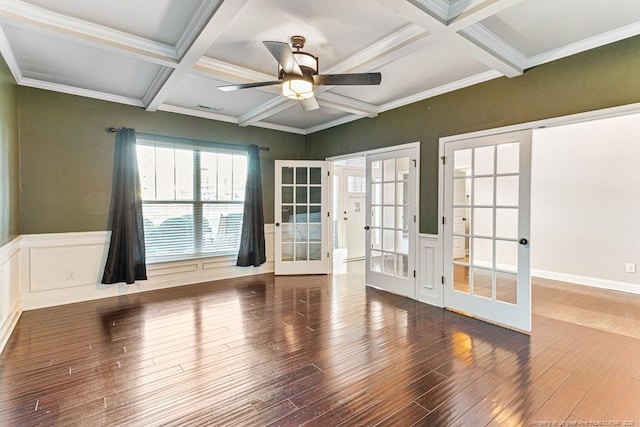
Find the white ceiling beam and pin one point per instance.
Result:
(479, 12)
(382, 51)
(218, 13)
(420, 15)
(346, 104)
(267, 109)
(27, 16)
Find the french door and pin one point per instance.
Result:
(301, 217)
(391, 223)
(486, 231)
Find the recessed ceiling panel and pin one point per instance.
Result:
(160, 20)
(537, 26)
(298, 118)
(334, 29)
(195, 90)
(53, 60)
(425, 69)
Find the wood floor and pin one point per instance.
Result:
(317, 350)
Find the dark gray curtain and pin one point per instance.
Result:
(252, 247)
(126, 259)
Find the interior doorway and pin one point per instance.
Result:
(348, 211)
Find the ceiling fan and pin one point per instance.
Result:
(298, 74)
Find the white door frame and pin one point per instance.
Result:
(438, 295)
(410, 145)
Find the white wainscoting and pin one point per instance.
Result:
(430, 270)
(10, 301)
(67, 267)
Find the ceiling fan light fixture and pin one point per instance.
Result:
(298, 88)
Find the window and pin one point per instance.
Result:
(192, 199)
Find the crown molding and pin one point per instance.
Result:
(9, 57)
(618, 34)
(24, 15)
(334, 123)
(71, 90)
(450, 87)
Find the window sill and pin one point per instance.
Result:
(180, 258)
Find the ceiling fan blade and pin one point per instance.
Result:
(283, 54)
(347, 79)
(310, 104)
(229, 88)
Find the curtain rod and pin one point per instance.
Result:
(114, 130)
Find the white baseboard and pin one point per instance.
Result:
(587, 281)
(10, 300)
(9, 324)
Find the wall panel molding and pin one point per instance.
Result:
(429, 270)
(10, 300)
(66, 268)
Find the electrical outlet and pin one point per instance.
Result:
(71, 274)
(630, 267)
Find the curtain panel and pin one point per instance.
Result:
(252, 246)
(126, 258)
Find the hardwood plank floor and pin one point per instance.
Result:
(318, 350)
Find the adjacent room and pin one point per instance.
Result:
(382, 212)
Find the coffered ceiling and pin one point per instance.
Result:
(171, 55)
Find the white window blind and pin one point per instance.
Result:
(192, 199)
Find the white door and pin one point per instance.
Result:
(301, 217)
(391, 226)
(492, 281)
(354, 190)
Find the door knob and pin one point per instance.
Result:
(523, 241)
(277, 224)
(366, 227)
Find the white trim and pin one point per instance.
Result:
(56, 87)
(9, 57)
(45, 287)
(268, 109)
(199, 19)
(587, 281)
(429, 270)
(10, 300)
(346, 104)
(554, 121)
(24, 15)
(497, 46)
(215, 20)
(337, 122)
(449, 87)
(415, 145)
(583, 45)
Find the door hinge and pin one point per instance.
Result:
(443, 159)
(442, 220)
(328, 255)
(442, 279)
(328, 214)
(414, 162)
(414, 273)
(328, 173)
(414, 218)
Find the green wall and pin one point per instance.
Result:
(67, 155)
(604, 77)
(9, 160)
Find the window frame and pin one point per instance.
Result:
(197, 148)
